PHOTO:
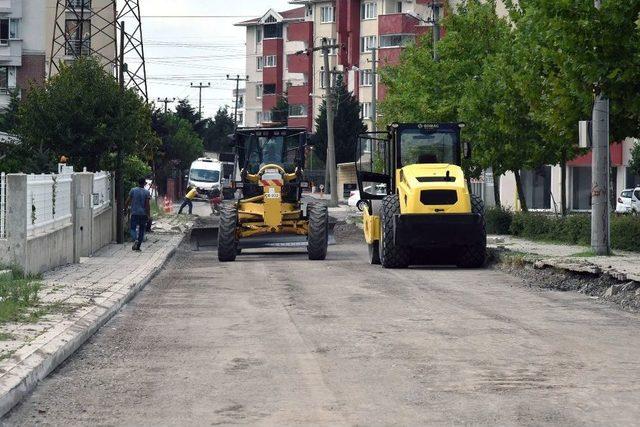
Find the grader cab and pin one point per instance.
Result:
(271, 181)
(415, 198)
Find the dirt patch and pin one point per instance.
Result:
(624, 294)
(348, 233)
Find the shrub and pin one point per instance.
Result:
(625, 233)
(498, 220)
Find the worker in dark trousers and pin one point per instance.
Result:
(139, 200)
(188, 200)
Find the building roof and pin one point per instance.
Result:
(287, 15)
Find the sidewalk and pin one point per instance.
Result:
(75, 301)
(622, 266)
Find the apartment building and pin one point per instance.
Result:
(26, 36)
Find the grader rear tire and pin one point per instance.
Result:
(391, 254)
(474, 255)
(318, 238)
(227, 234)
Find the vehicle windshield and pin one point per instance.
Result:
(204, 175)
(425, 146)
(264, 150)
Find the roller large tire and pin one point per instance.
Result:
(474, 256)
(227, 234)
(391, 255)
(318, 238)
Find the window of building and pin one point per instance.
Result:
(259, 90)
(297, 110)
(4, 31)
(536, 185)
(581, 188)
(333, 50)
(270, 89)
(266, 116)
(79, 36)
(365, 78)
(240, 117)
(308, 12)
(327, 14)
(270, 61)
(273, 31)
(367, 43)
(399, 7)
(397, 40)
(259, 63)
(369, 10)
(322, 80)
(86, 4)
(365, 110)
(259, 117)
(4, 79)
(258, 35)
(9, 30)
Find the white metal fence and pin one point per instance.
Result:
(101, 198)
(48, 202)
(3, 206)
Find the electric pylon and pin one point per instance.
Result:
(90, 28)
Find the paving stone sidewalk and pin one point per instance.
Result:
(75, 301)
(622, 265)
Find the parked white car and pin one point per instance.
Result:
(354, 196)
(628, 201)
(623, 204)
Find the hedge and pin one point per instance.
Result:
(572, 229)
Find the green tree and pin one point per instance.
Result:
(82, 114)
(280, 113)
(347, 125)
(634, 163)
(218, 130)
(565, 49)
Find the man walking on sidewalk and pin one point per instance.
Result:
(139, 199)
(188, 200)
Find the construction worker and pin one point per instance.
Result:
(139, 200)
(188, 200)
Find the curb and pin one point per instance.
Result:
(57, 344)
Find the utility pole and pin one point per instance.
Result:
(600, 212)
(200, 87)
(436, 28)
(237, 79)
(166, 101)
(119, 155)
(331, 144)
(374, 88)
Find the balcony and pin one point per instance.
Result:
(397, 23)
(299, 63)
(300, 32)
(299, 94)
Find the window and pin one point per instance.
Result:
(270, 89)
(536, 185)
(327, 14)
(240, 117)
(86, 4)
(79, 36)
(259, 117)
(369, 10)
(365, 110)
(581, 188)
(428, 146)
(396, 40)
(399, 7)
(322, 77)
(259, 90)
(4, 79)
(258, 35)
(4, 31)
(273, 31)
(334, 50)
(367, 43)
(259, 63)
(270, 61)
(297, 110)
(266, 116)
(308, 12)
(365, 78)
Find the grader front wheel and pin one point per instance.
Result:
(227, 234)
(318, 238)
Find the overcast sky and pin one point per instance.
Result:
(190, 49)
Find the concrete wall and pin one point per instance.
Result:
(88, 231)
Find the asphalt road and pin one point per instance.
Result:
(278, 340)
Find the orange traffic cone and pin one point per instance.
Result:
(167, 205)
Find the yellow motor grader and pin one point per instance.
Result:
(415, 198)
(271, 180)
